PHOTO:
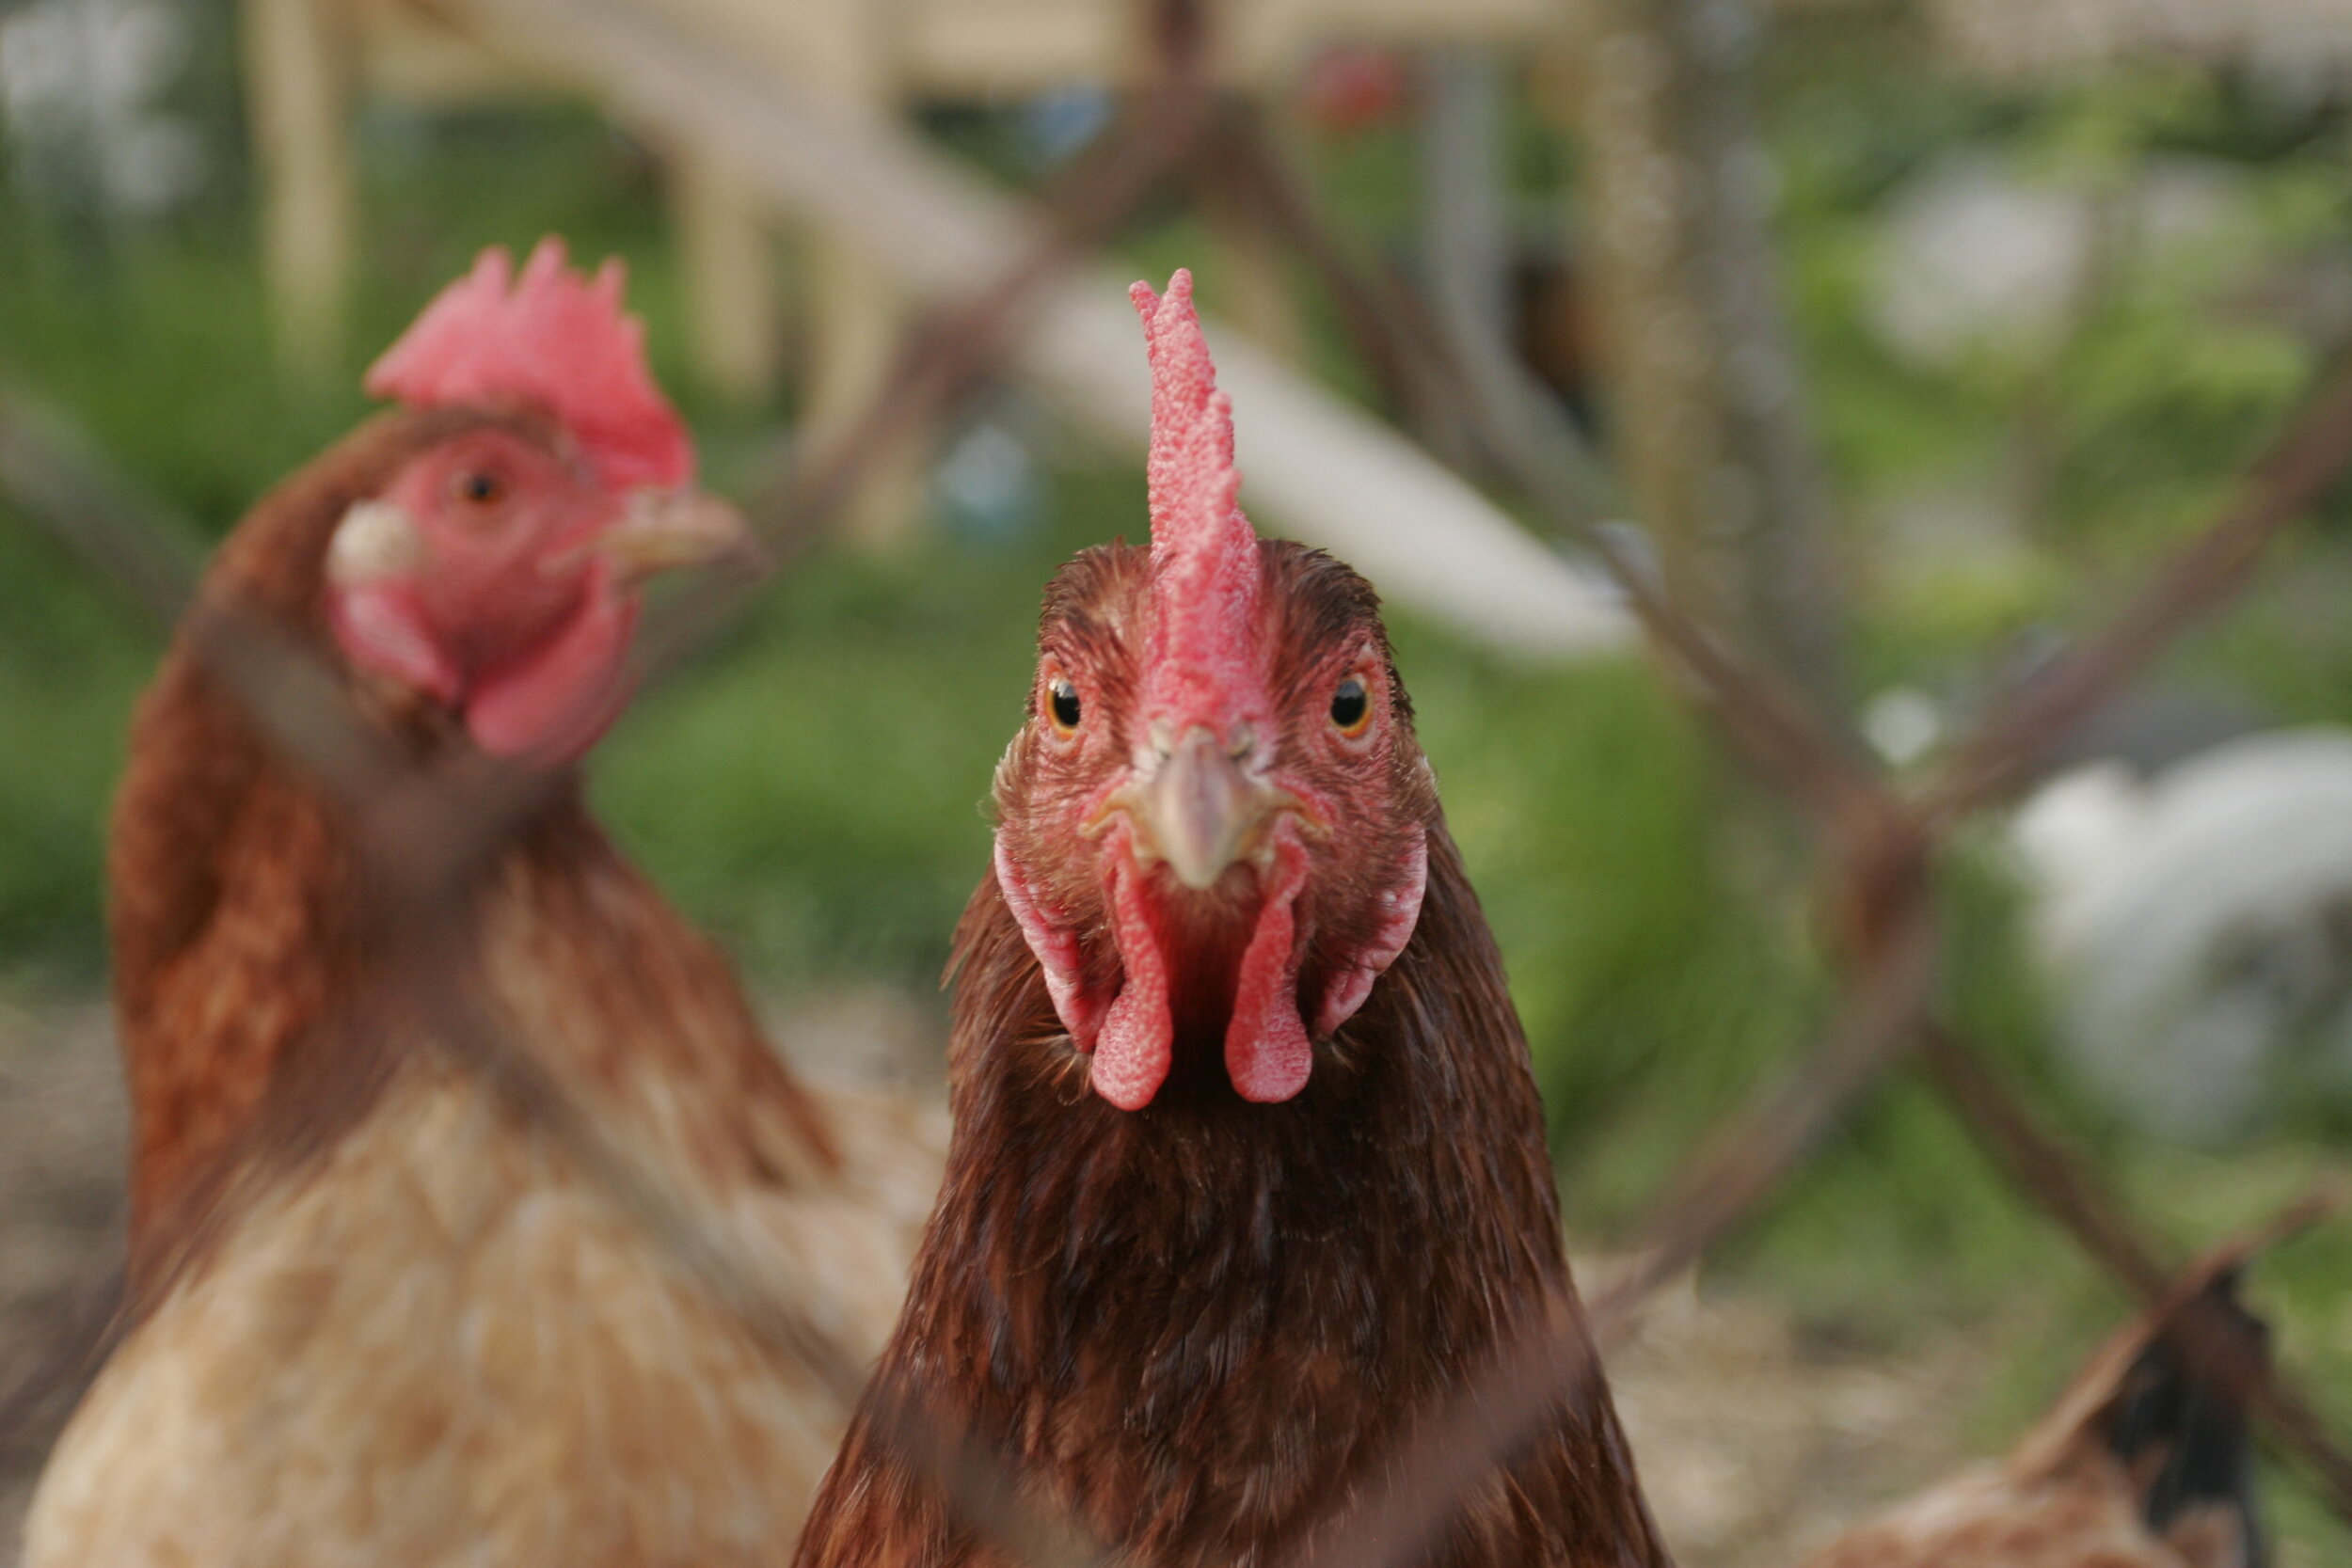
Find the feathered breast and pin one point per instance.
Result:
(1194, 1323)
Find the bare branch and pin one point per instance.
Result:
(2003, 751)
(126, 539)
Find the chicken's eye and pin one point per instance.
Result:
(1351, 707)
(479, 487)
(1061, 702)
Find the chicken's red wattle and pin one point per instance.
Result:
(1138, 1042)
(556, 701)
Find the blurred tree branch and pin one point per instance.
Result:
(129, 541)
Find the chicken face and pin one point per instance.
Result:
(1213, 822)
(497, 573)
(499, 578)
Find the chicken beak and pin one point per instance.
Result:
(376, 540)
(663, 529)
(1200, 811)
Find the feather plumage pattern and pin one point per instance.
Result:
(1195, 1301)
(378, 1315)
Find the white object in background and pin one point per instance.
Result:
(1976, 259)
(1973, 255)
(78, 80)
(1902, 725)
(2199, 925)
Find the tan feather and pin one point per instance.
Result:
(377, 1318)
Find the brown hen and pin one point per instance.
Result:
(1249, 1165)
(378, 1317)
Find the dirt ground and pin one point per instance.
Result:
(1753, 1447)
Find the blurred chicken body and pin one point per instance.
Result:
(1248, 1167)
(378, 1315)
(2142, 1464)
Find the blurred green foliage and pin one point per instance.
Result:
(812, 789)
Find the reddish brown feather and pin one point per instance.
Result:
(231, 902)
(381, 1312)
(1195, 1324)
(241, 925)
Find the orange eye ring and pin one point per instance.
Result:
(1062, 707)
(1351, 707)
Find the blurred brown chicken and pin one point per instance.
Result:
(376, 1315)
(2145, 1463)
(1248, 1167)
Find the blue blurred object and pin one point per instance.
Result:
(1057, 125)
(987, 487)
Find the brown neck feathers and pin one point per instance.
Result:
(1198, 1325)
(235, 911)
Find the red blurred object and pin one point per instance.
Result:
(553, 340)
(1350, 87)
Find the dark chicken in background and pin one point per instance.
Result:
(377, 1316)
(1248, 1167)
(2145, 1462)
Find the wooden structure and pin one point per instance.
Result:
(1319, 468)
(311, 62)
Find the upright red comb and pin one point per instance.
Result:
(1204, 554)
(559, 342)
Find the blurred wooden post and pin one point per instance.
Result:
(1709, 408)
(297, 81)
(726, 253)
(854, 314)
(1465, 216)
(1466, 239)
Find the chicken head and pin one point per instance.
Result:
(498, 571)
(1213, 826)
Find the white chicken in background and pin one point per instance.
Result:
(2197, 926)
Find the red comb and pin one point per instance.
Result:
(1204, 554)
(559, 342)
